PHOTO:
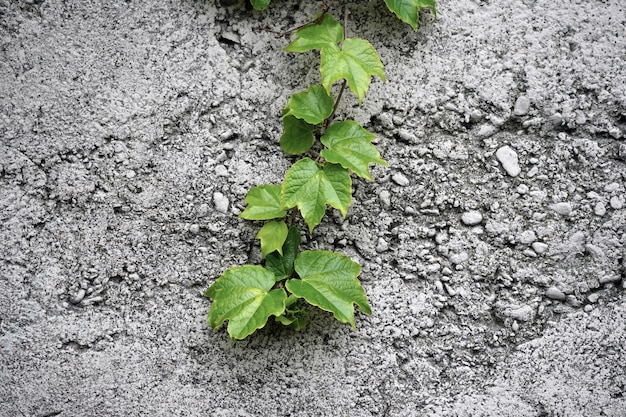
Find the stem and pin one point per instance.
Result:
(325, 7)
(346, 14)
(332, 115)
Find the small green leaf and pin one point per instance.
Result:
(310, 186)
(272, 236)
(329, 281)
(295, 314)
(282, 265)
(349, 144)
(263, 203)
(313, 105)
(297, 137)
(408, 10)
(260, 4)
(356, 62)
(243, 296)
(317, 35)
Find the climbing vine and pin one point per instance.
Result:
(246, 296)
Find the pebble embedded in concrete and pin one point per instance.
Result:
(400, 179)
(382, 245)
(522, 106)
(508, 160)
(555, 294)
(617, 202)
(458, 258)
(522, 313)
(471, 218)
(486, 130)
(564, 209)
(527, 237)
(539, 247)
(385, 198)
(221, 202)
(78, 297)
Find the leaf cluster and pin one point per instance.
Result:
(405, 10)
(248, 295)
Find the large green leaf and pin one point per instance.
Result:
(260, 4)
(349, 144)
(356, 62)
(243, 296)
(317, 35)
(313, 105)
(282, 265)
(310, 186)
(263, 203)
(329, 281)
(272, 236)
(297, 137)
(408, 10)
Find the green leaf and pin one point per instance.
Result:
(282, 265)
(260, 4)
(310, 186)
(295, 315)
(317, 35)
(408, 10)
(349, 144)
(329, 281)
(356, 62)
(263, 203)
(313, 105)
(297, 136)
(243, 296)
(272, 236)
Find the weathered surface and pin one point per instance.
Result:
(131, 132)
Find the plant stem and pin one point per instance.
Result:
(346, 14)
(316, 21)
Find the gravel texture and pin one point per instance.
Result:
(493, 246)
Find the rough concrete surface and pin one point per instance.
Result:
(493, 245)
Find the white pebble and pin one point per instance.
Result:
(471, 218)
(221, 202)
(609, 188)
(194, 229)
(400, 179)
(540, 247)
(522, 189)
(563, 209)
(385, 198)
(221, 171)
(599, 209)
(486, 130)
(527, 237)
(523, 313)
(78, 297)
(522, 106)
(508, 159)
(459, 258)
(605, 279)
(555, 294)
(382, 245)
(617, 202)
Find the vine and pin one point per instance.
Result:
(248, 295)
